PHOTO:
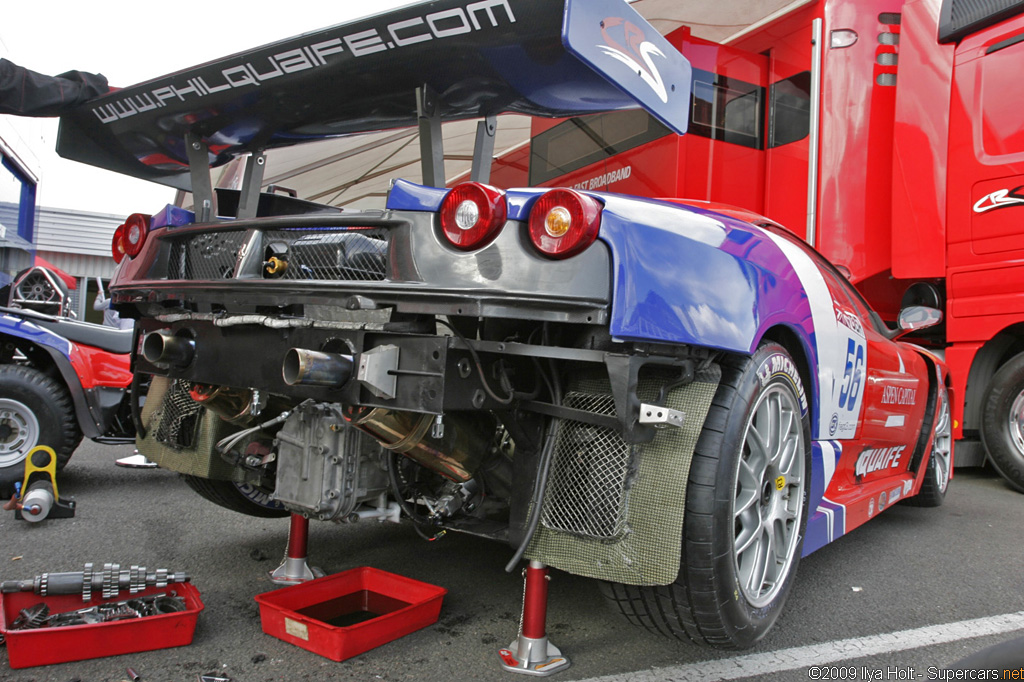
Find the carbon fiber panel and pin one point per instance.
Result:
(645, 548)
(181, 436)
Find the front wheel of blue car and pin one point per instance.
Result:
(34, 410)
(746, 511)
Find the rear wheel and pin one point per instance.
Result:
(244, 499)
(1002, 426)
(746, 509)
(34, 410)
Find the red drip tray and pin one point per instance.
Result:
(343, 615)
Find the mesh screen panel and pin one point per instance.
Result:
(179, 435)
(586, 492)
(356, 255)
(179, 417)
(647, 549)
(326, 254)
(206, 256)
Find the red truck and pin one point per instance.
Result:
(889, 135)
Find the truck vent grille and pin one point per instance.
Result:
(590, 473)
(179, 417)
(325, 254)
(890, 18)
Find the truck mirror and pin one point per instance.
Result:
(917, 317)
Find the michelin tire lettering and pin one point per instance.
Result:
(780, 365)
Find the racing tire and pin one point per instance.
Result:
(940, 462)
(1002, 424)
(746, 511)
(34, 410)
(228, 495)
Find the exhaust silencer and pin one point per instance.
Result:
(303, 367)
(164, 348)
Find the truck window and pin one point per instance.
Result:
(960, 18)
(584, 140)
(790, 110)
(727, 109)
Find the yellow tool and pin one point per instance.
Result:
(39, 497)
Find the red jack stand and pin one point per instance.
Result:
(294, 570)
(532, 653)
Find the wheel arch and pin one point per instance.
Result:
(995, 353)
(55, 364)
(930, 413)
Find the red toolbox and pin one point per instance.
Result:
(45, 646)
(343, 615)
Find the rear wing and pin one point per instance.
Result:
(434, 61)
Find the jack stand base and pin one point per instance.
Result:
(294, 571)
(533, 657)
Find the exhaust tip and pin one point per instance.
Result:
(293, 367)
(163, 348)
(304, 367)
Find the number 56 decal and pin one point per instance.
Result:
(853, 376)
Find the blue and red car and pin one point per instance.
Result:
(678, 400)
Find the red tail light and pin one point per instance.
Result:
(136, 227)
(472, 215)
(564, 222)
(117, 244)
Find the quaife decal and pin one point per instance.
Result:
(636, 53)
(876, 459)
(778, 364)
(1002, 198)
(473, 16)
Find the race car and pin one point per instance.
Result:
(680, 400)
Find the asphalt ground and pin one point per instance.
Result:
(904, 596)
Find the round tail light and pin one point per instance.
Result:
(117, 244)
(564, 222)
(472, 215)
(136, 227)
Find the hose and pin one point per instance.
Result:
(543, 469)
(410, 511)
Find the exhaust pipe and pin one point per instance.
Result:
(455, 451)
(303, 367)
(164, 348)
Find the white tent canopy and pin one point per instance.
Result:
(356, 171)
